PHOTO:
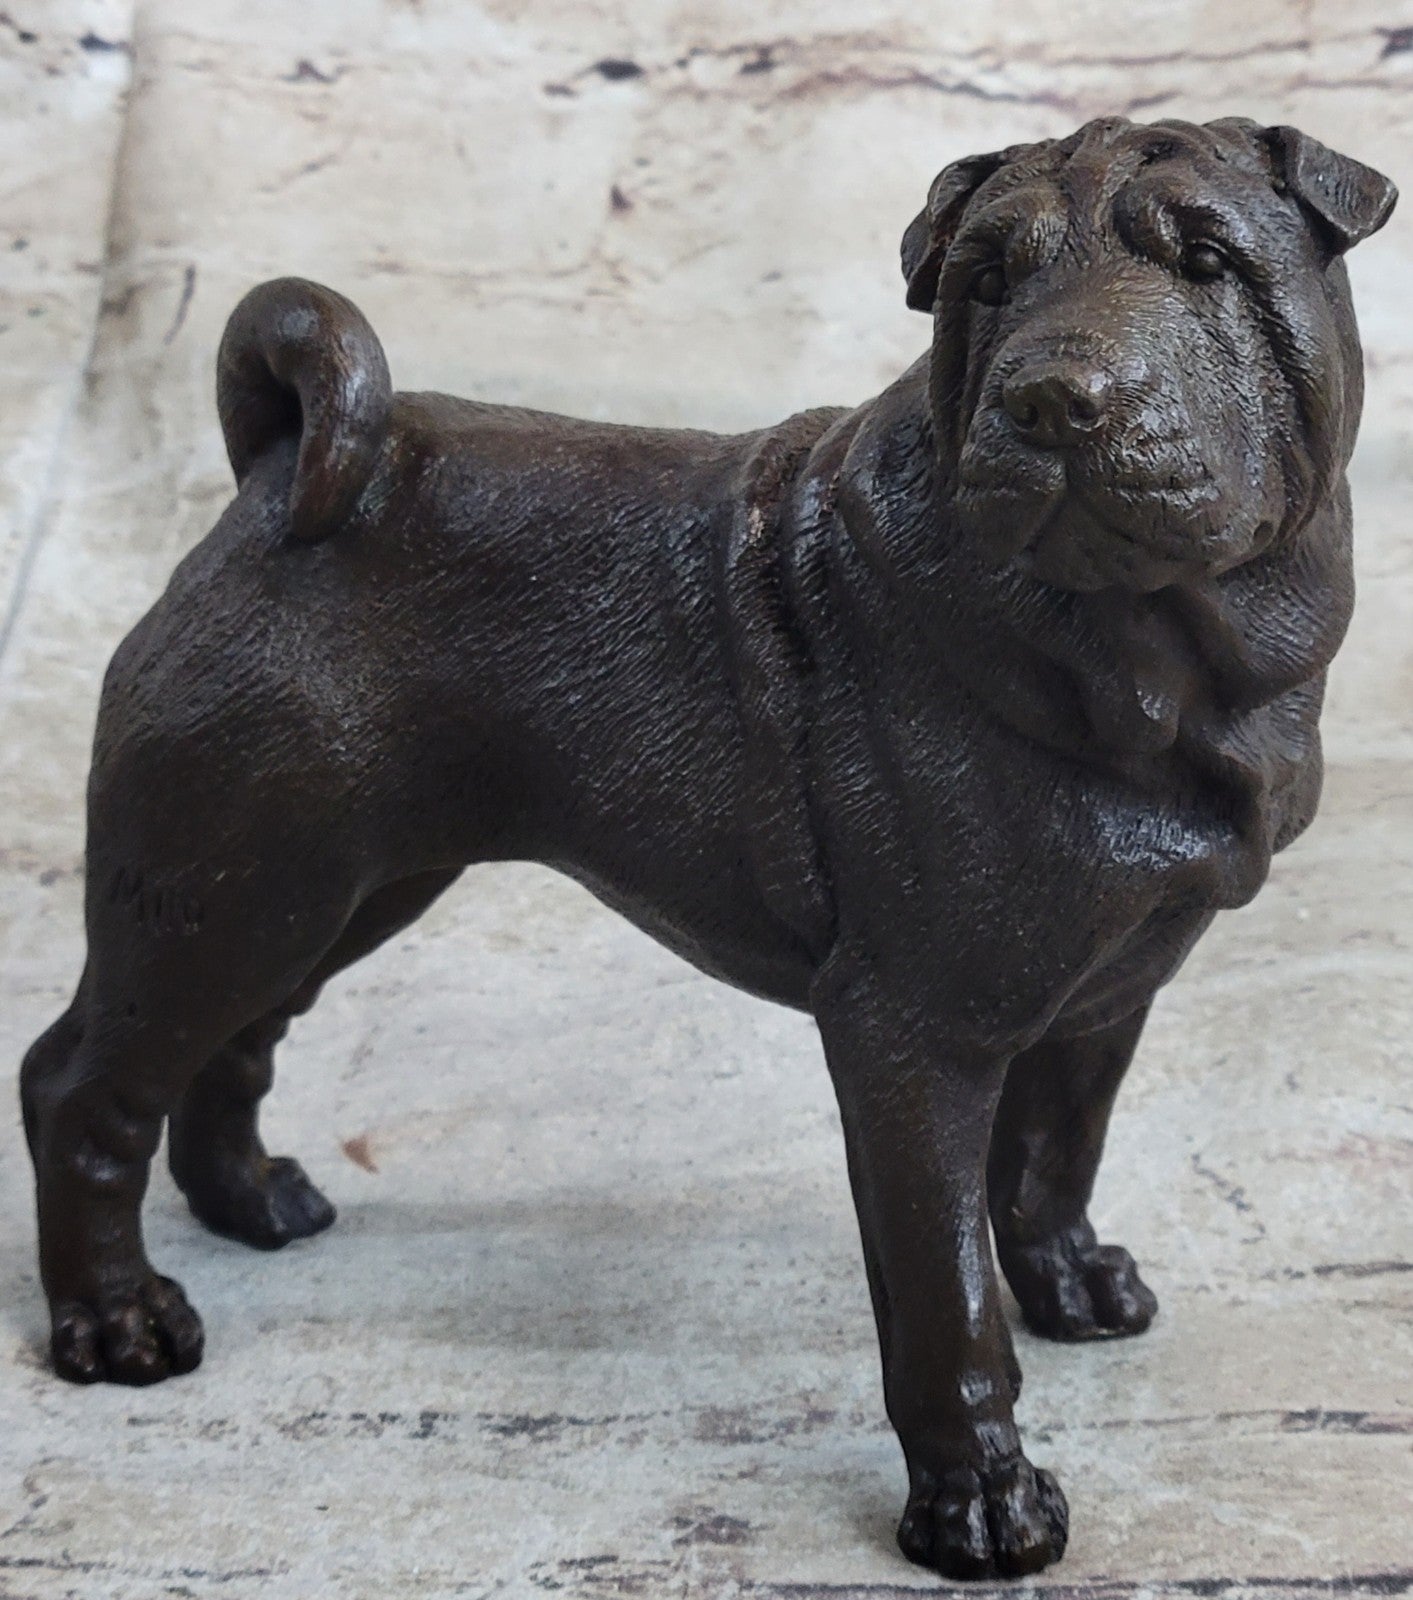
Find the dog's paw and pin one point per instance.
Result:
(1002, 1524)
(136, 1336)
(1071, 1287)
(267, 1204)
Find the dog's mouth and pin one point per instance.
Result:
(1084, 530)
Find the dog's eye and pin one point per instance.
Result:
(989, 286)
(1205, 262)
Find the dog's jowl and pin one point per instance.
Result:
(953, 719)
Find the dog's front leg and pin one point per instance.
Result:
(917, 1117)
(1045, 1151)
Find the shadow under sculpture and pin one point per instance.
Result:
(952, 719)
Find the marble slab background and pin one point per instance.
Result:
(545, 1349)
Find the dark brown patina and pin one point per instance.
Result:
(953, 719)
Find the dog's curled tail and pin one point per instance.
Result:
(298, 361)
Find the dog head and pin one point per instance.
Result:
(1145, 367)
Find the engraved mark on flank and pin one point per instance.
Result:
(159, 907)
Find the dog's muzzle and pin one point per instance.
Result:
(1083, 469)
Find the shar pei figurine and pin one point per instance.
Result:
(952, 719)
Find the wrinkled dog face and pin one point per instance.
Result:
(1145, 366)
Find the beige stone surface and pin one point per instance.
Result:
(592, 1321)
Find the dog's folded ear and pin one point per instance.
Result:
(1350, 200)
(931, 230)
(1346, 200)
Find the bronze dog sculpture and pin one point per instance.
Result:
(953, 719)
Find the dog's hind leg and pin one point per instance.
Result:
(94, 1089)
(1046, 1145)
(192, 938)
(152, 1006)
(213, 1143)
(214, 1148)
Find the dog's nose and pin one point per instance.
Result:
(1057, 403)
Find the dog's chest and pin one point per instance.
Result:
(1045, 890)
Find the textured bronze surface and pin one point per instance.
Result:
(953, 719)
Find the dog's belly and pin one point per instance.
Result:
(725, 932)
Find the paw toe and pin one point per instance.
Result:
(74, 1345)
(1122, 1302)
(300, 1208)
(1055, 1509)
(176, 1325)
(1022, 1526)
(1072, 1313)
(131, 1351)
